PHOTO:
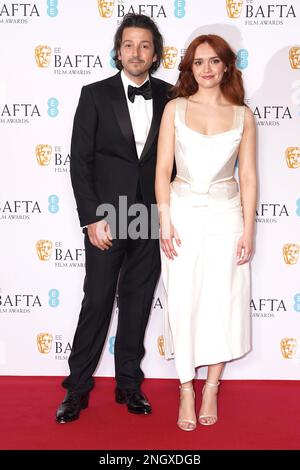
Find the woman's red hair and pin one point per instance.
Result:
(232, 84)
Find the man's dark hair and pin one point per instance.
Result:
(131, 20)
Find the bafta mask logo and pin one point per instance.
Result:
(44, 342)
(161, 345)
(44, 249)
(42, 56)
(169, 57)
(292, 156)
(43, 154)
(106, 9)
(288, 347)
(291, 253)
(234, 8)
(294, 56)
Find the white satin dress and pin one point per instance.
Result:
(207, 318)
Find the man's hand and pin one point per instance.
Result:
(100, 235)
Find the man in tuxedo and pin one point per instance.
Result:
(113, 154)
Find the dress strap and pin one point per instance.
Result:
(181, 104)
(239, 117)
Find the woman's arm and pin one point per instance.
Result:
(248, 185)
(165, 157)
(164, 166)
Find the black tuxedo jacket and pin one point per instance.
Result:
(104, 161)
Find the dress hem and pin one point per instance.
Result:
(232, 358)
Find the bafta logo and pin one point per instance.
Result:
(292, 156)
(294, 56)
(288, 347)
(44, 249)
(44, 342)
(234, 8)
(43, 154)
(291, 253)
(161, 345)
(42, 56)
(169, 57)
(106, 9)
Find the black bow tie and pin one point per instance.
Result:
(144, 90)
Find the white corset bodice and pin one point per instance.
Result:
(203, 161)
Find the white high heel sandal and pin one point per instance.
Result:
(191, 423)
(208, 419)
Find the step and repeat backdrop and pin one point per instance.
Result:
(48, 51)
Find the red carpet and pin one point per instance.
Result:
(252, 415)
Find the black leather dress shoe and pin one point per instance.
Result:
(135, 400)
(70, 408)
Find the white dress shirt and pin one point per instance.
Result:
(141, 112)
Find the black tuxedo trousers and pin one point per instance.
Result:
(133, 265)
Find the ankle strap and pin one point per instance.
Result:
(212, 385)
(185, 388)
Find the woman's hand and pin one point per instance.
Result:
(244, 249)
(167, 233)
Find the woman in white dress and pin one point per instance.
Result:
(206, 224)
